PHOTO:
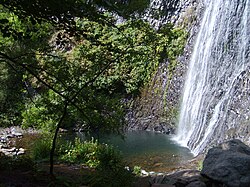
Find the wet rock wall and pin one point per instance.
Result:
(157, 107)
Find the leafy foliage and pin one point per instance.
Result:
(107, 162)
(137, 170)
(12, 163)
(91, 153)
(111, 178)
(10, 96)
(73, 55)
(81, 58)
(40, 148)
(89, 62)
(62, 13)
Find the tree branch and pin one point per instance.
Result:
(44, 82)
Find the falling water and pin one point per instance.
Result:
(216, 98)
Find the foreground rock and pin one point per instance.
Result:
(228, 164)
(6, 136)
(185, 178)
(12, 151)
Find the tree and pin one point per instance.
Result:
(76, 61)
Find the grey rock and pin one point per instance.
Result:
(20, 151)
(3, 146)
(8, 153)
(162, 180)
(10, 136)
(162, 185)
(160, 174)
(17, 134)
(3, 139)
(143, 172)
(13, 149)
(160, 99)
(158, 128)
(196, 184)
(185, 177)
(151, 173)
(228, 164)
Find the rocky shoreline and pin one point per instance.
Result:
(8, 137)
(227, 165)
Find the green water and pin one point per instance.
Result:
(152, 151)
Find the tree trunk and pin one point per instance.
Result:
(52, 151)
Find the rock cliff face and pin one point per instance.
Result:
(156, 109)
(161, 12)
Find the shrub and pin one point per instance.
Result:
(111, 178)
(90, 153)
(80, 152)
(38, 116)
(40, 149)
(137, 170)
(20, 162)
(107, 162)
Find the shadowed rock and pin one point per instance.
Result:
(228, 164)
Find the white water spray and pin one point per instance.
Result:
(218, 77)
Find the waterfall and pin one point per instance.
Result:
(216, 96)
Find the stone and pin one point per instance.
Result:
(158, 164)
(186, 177)
(8, 153)
(228, 164)
(10, 136)
(162, 185)
(4, 146)
(160, 174)
(20, 151)
(61, 130)
(196, 184)
(158, 128)
(13, 149)
(3, 139)
(151, 173)
(17, 134)
(143, 172)
(183, 178)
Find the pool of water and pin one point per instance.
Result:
(152, 151)
(149, 150)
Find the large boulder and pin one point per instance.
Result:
(228, 164)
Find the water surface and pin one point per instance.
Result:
(152, 151)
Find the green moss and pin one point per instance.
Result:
(200, 165)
